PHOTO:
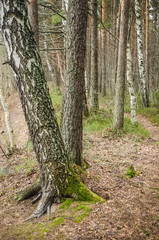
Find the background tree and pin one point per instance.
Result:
(120, 84)
(74, 86)
(143, 84)
(94, 57)
(33, 18)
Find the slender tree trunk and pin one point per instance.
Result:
(7, 120)
(143, 84)
(100, 53)
(74, 87)
(88, 57)
(120, 84)
(131, 86)
(3, 138)
(56, 178)
(103, 49)
(147, 43)
(94, 58)
(117, 48)
(33, 18)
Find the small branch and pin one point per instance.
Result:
(45, 6)
(6, 62)
(52, 49)
(3, 152)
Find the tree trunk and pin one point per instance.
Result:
(120, 84)
(33, 18)
(147, 43)
(56, 178)
(144, 91)
(94, 58)
(131, 86)
(74, 86)
(103, 35)
(7, 121)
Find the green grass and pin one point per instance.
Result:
(151, 113)
(96, 122)
(56, 97)
(136, 130)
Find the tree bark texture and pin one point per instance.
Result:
(143, 84)
(131, 86)
(57, 178)
(120, 83)
(36, 102)
(94, 58)
(33, 18)
(74, 86)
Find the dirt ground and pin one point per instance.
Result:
(131, 210)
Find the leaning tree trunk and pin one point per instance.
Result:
(56, 178)
(144, 91)
(74, 86)
(120, 84)
(94, 58)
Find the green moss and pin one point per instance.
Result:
(57, 222)
(66, 203)
(131, 172)
(33, 231)
(77, 190)
(86, 210)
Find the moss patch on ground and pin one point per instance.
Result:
(75, 211)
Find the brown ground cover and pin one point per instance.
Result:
(131, 210)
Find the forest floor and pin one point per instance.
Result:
(131, 210)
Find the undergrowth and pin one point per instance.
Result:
(151, 113)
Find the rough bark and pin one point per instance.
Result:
(74, 86)
(121, 71)
(57, 180)
(143, 84)
(94, 58)
(33, 18)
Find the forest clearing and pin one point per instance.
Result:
(79, 119)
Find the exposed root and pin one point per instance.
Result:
(29, 191)
(37, 198)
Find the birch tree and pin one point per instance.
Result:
(7, 120)
(131, 86)
(57, 178)
(142, 75)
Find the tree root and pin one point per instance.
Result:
(73, 188)
(29, 191)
